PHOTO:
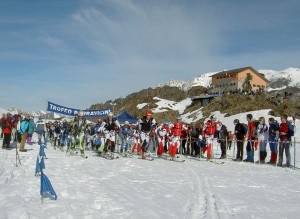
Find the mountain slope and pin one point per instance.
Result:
(174, 97)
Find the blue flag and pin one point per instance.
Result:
(47, 190)
(42, 150)
(42, 164)
(37, 166)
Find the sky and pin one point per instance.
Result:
(134, 188)
(79, 53)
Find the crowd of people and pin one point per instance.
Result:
(172, 138)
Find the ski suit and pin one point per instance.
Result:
(209, 130)
(164, 132)
(111, 125)
(145, 127)
(77, 130)
(175, 142)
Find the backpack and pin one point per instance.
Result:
(246, 128)
(274, 127)
(291, 130)
(40, 127)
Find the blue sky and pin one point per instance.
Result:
(80, 52)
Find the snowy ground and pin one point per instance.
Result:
(135, 188)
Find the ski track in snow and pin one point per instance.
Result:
(208, 205)
(135, 188)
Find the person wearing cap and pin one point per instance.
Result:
(112, 125)
(239, 135)
(145, 126)
(77, 130)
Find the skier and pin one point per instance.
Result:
(136, 141)
(145, 126)
(77, 129)
(164, 133)
(99, 136)
(112, 125)
(176, 129)
(65, 132)
(124, 134)
(194, 133)
(208, 132)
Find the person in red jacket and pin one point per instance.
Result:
(250, 139)
(164, 133)
(208, 131)
(285, 141)
(3, 116)
(7, 126)
(177, 129)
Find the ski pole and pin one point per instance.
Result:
(233, 151)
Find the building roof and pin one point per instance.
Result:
(237, 70)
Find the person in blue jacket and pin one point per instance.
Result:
(24, 129)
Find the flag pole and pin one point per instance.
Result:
(17, 153)
(294, 118)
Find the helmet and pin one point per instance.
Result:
(166, 122)
(110, 114)
(126, 123)
(148, 113)
(178, 117)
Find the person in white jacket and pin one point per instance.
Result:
(262, 136)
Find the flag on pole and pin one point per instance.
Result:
(37, 166)
(47, 190)
(42, 150)
(42, 164)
